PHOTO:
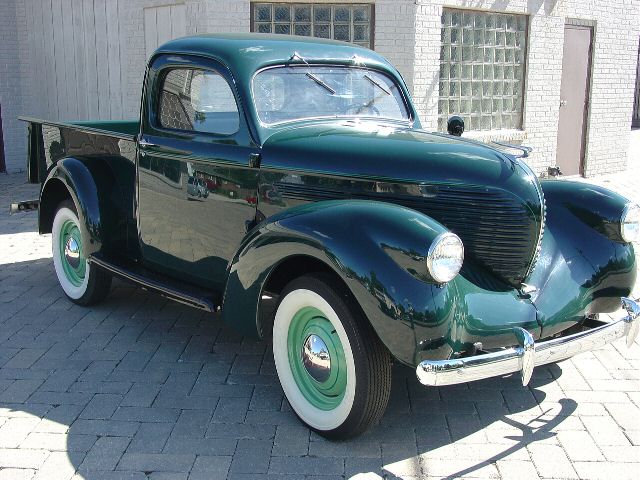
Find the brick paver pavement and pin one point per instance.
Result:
(140, 387)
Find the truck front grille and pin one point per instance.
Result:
(499, 231)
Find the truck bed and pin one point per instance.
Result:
(50, 141)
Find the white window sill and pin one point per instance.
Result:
(509, 136)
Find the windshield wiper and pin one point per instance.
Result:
(321, 82)
(313, 77)
(378, 84)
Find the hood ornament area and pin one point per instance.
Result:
(524, 149)
(516, 159)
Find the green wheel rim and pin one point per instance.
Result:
(328, 394)
(75, 275)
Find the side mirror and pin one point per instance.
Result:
(455, 125)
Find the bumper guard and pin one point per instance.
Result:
(529, 354)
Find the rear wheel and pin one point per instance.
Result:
(80, 283)
(334, 370)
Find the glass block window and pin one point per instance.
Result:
(482, 59)
(349, 23)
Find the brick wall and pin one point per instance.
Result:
(407, 32)
(394, 34)
(12, 76)
(204, 16)
(616, 34)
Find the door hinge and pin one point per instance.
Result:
(254, 160)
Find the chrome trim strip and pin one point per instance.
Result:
(543, 218)
(529, 354)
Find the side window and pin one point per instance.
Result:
(198, 100)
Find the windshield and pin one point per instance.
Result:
(283, 94)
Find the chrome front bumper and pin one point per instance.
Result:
(529, 354)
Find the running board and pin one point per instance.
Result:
(153, 282)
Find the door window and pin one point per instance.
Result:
(198, 100)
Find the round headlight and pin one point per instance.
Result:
(630, 223)
(445, 257)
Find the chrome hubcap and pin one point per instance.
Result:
(316, 358)
(72, 252)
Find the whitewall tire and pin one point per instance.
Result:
(333, 369)
(80, 283)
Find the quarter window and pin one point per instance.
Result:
(346, 22)
(198, 100)
(482, 61)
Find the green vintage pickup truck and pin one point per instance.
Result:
(288, 183)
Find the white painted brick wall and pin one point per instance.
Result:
(394, 34)
(203, 16)
(228, 16)
(617, 30)
(12, 76)
(407, 32)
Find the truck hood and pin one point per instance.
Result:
(387, 152)
(491, 201)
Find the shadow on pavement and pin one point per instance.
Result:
(139, 384)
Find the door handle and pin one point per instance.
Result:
(145, 144)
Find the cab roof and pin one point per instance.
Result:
(245, 53)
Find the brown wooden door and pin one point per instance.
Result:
(574, 99)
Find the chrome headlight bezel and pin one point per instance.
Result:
(443, 273)
(630, 223)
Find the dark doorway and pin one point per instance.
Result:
(3, 165)
(574, 99)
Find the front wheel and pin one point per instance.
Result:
(80, 283)
(334, 370)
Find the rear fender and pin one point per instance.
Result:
(98, 199)
(378, 250)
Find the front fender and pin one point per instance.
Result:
(97, 197)
(584, 266)
(596, 207)
(378, 249)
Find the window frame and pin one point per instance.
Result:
(405, 100)
(161, 76)
(442, 118)
(370, 4)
